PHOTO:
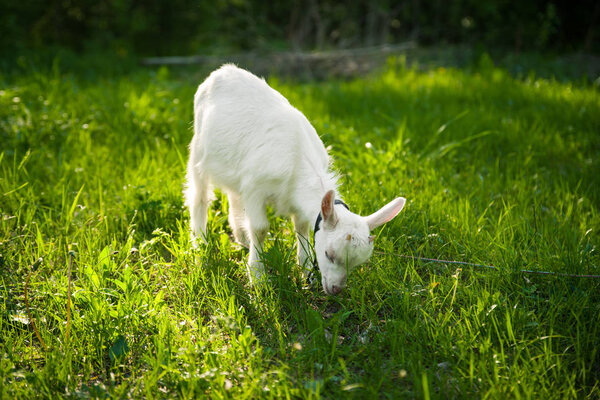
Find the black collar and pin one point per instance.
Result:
(315, 268)
(320, 217)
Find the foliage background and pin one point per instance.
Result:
(167, 27)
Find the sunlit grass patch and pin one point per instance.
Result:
(496, 170)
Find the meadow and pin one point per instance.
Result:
(95, 255)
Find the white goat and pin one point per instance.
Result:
(250, 142)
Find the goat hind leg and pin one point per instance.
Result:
(198, 197)
(237, 219)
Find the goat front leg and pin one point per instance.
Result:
(303, 243)
(258, 227)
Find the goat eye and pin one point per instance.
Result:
(330, 256)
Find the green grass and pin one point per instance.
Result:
(496, 170)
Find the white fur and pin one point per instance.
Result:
(250, 142)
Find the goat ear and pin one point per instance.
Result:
(327, 209)
(385, 213)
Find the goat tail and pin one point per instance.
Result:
(189, 187)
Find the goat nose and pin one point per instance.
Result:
(335, 289)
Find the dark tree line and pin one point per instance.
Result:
(166, 27)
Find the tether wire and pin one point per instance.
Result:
(526, 271)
